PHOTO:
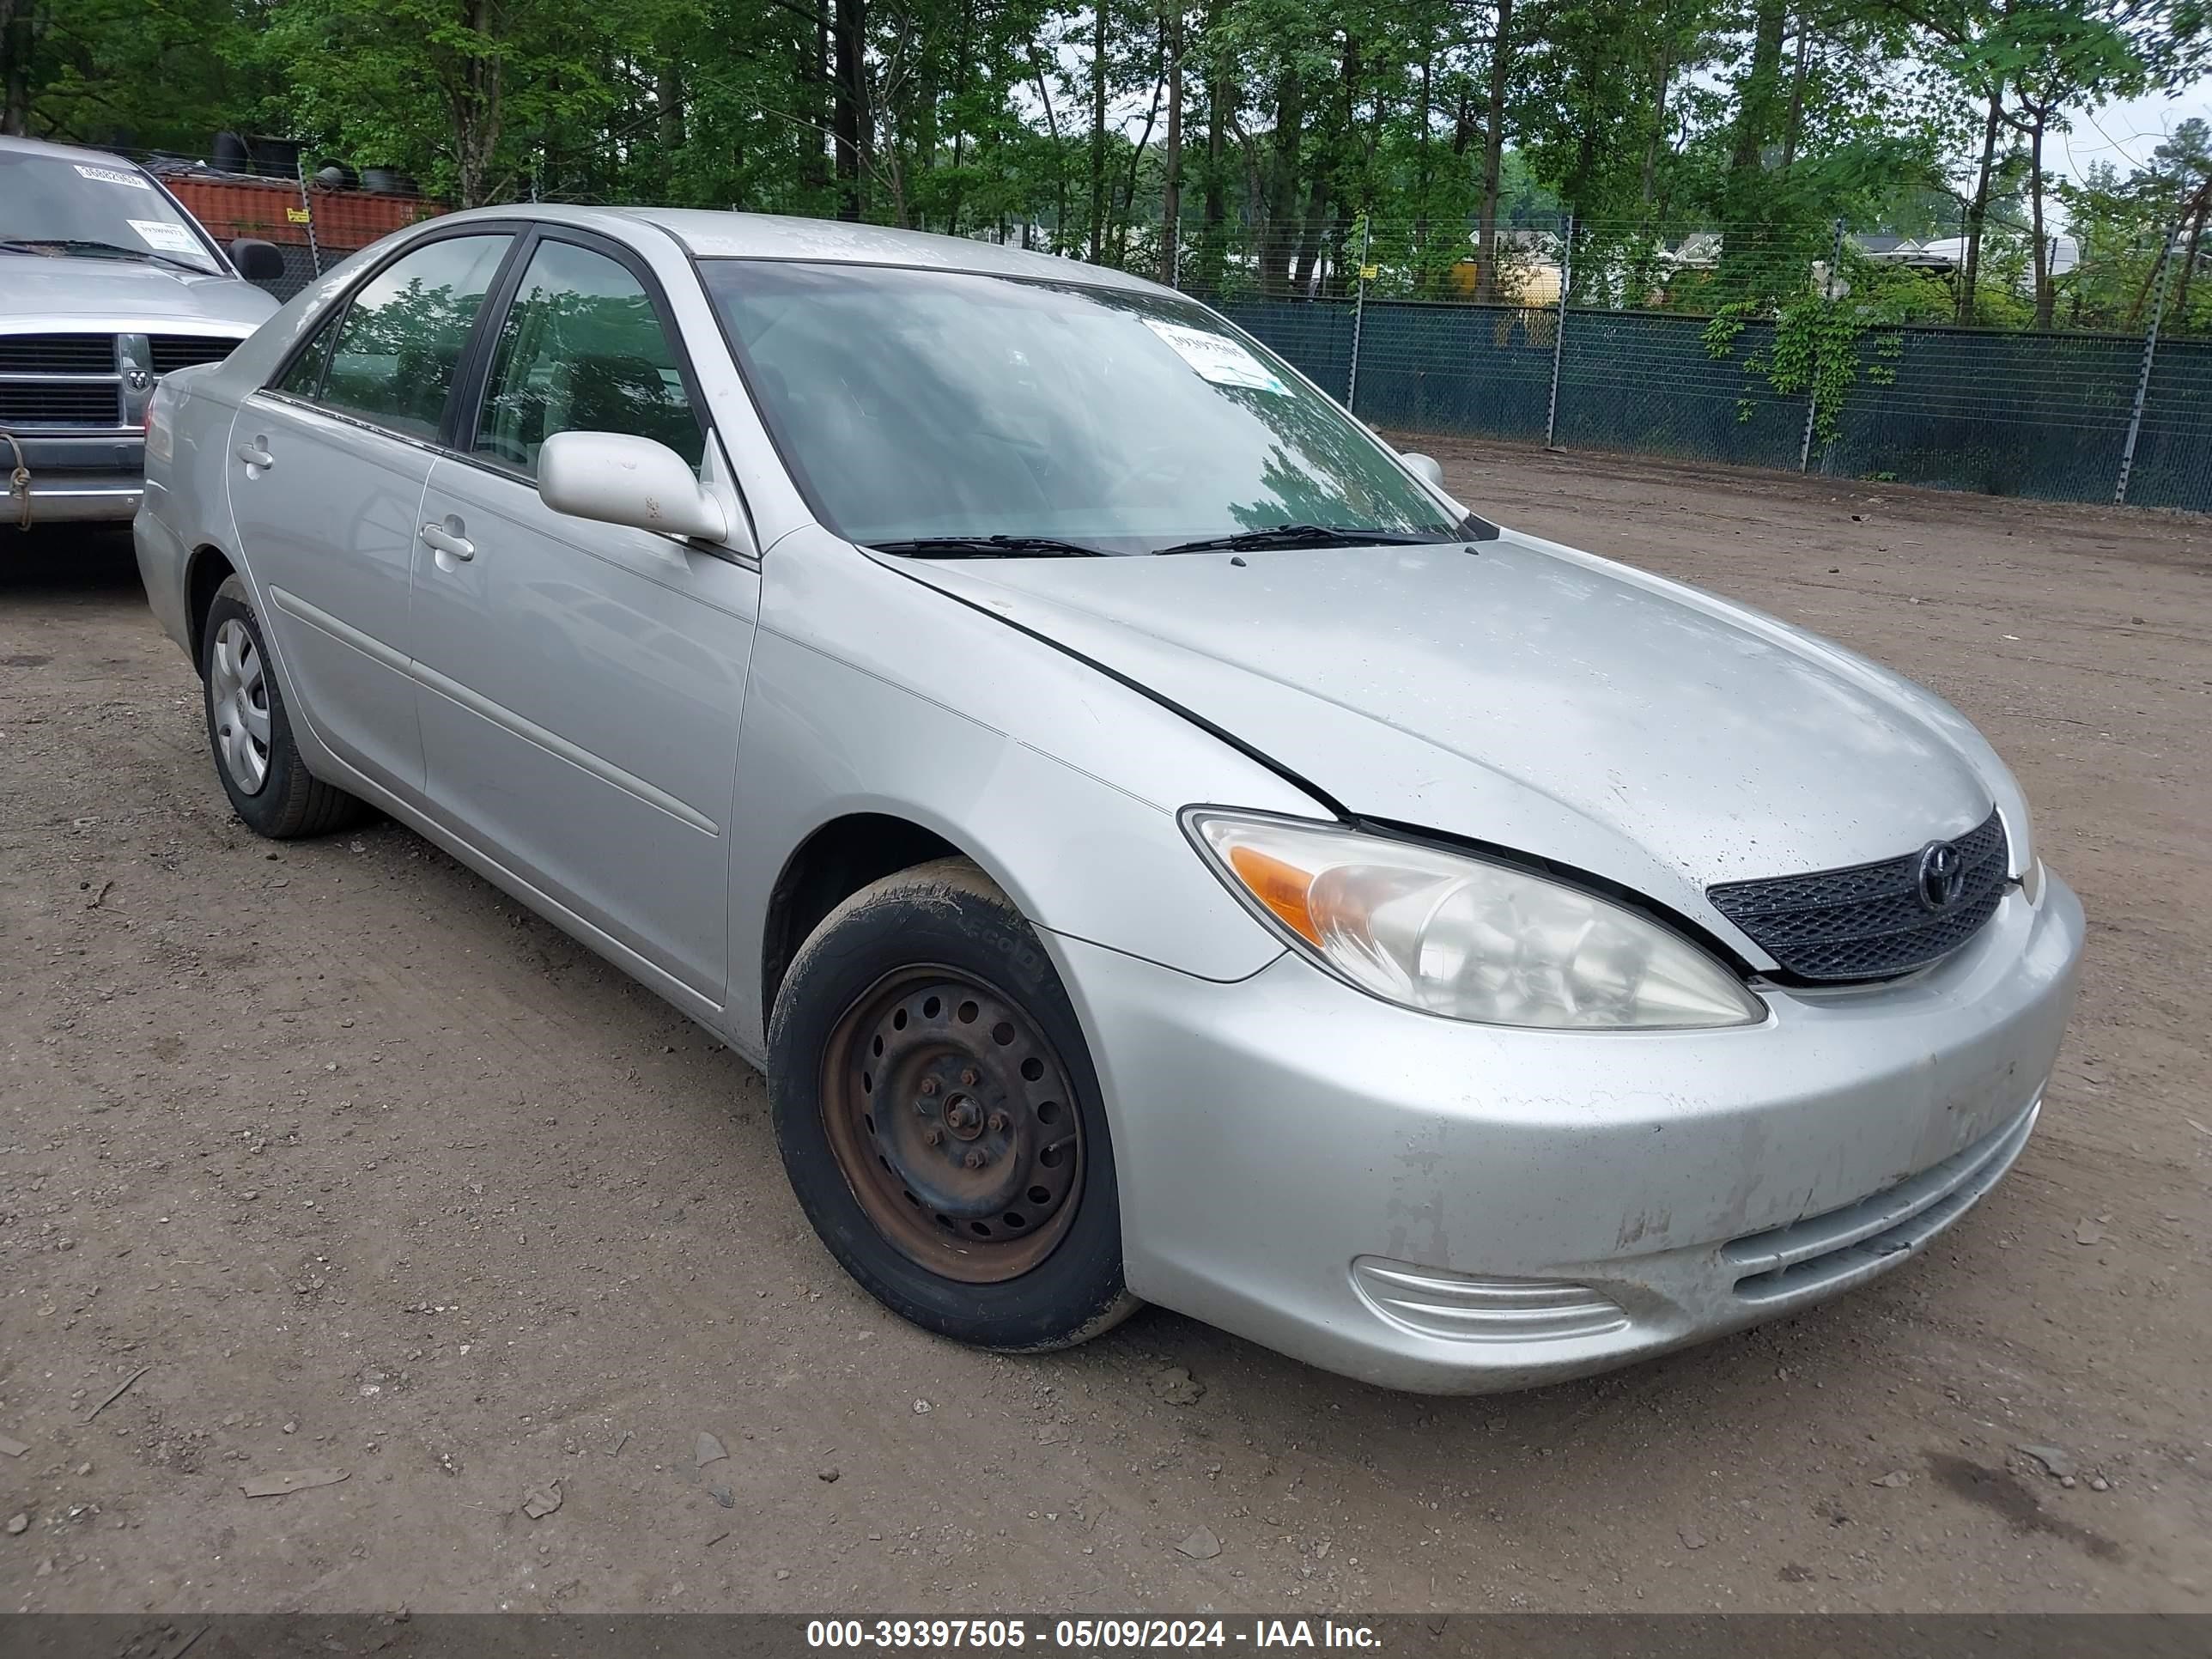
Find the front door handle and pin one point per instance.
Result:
(442, 540)
(257, 454)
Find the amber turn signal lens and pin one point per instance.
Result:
(1281, 886)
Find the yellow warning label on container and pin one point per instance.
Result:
(297, 216)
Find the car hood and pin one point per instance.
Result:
(123, 296)
(1531, 696)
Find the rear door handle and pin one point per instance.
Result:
(437, 537)
(254, 455)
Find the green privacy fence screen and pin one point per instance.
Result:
(2043, 416)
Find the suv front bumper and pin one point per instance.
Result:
(76, 478)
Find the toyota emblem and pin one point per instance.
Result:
(1942, 875)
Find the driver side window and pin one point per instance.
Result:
(582, 350)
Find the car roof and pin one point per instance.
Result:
(708, 234)
(66, 152)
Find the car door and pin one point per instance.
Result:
(580, 683)
(327, 469)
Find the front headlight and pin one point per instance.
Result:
(1465, 938)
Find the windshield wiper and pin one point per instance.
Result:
(1299, 535)
(990, 547)
(114, 250)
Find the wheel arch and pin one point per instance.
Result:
(206, 570)
(834, 861)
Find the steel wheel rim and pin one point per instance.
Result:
(951, 1119)
(237, 697)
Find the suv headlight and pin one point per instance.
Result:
(1463, 938)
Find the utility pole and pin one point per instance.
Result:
(1813, 382)
(2142, 377)
(1559, 333)
(1359, 314)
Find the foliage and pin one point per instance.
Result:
(1828, 337)
(1458, 133)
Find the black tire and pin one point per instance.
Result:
(289, 802)
(944, 924)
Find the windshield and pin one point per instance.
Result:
(93, 209)
(925, 406)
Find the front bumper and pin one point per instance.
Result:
(79, 498)
(1455, 1208)
(94, 477)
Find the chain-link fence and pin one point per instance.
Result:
(1604, 338)
(2045, 416)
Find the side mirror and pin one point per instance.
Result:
(617, 478)
(258, 261)
(1425, 466)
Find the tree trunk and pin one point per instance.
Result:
(813, 77)
(1280, 198)
(1493, 156)
(19, 32)
(1421, 172)
(1220, 104)
(1098, 9)
(1310, 237)
(1171, 182)
(1793, 123)
(668, 116)
(849, 119)
(1126, 212)
(960, 56)
(1060, 244)
(2188, 259)
(1660, 86)
(475, 104)
(1979, 211)
(1756, 109)
(2046, 298)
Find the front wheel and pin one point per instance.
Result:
(939, 1117)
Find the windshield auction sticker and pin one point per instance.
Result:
(167, 238)
(1216, 357)
(112, 176)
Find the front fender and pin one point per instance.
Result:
(872, 693)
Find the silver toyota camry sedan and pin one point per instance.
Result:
(1159, 845)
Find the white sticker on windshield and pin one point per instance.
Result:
(162, 234)
(114, 176)
(1215, 356)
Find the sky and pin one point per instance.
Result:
(2124, 134)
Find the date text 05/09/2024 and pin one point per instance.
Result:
(1085, 1635)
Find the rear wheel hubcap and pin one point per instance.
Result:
(949, 1115)
(237, 697)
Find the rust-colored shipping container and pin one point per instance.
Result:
(231, 205)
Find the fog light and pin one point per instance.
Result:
(1459, 1308)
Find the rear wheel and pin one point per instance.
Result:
(940, 1118)
(269, 785)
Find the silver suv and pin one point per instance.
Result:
(106, 285)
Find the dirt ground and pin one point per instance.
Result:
(353, 1166)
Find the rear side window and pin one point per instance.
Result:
(305, 377)
(400, 341)
(582, 350)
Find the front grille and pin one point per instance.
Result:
(85, 389)
(170, 352)
(1867, 922)
(60, 403)
(57, 354)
